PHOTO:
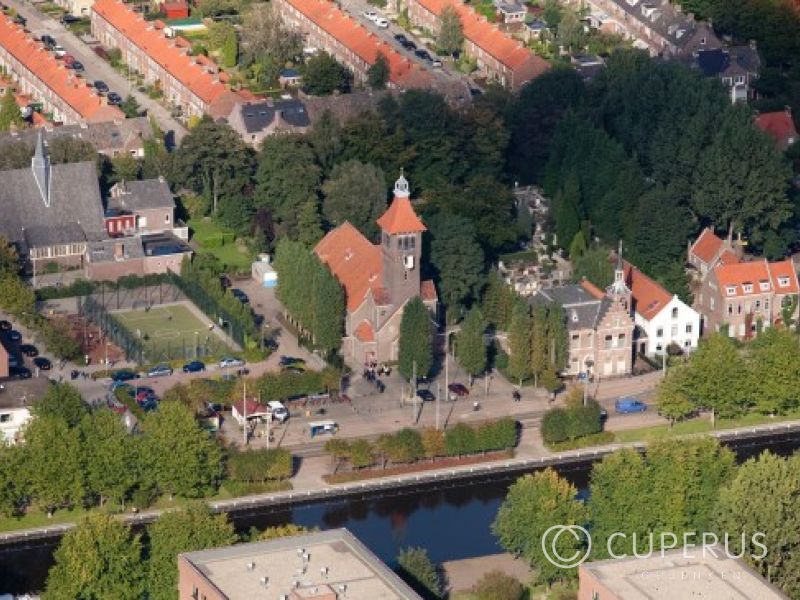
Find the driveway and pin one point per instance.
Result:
(96, 68)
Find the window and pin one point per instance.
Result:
(660, 332)
(740, 79)
(674, 331)
(739, 308)
(711, 302)
(783, 282)
(675, 313)
(688, 328)
(730, 309)
(763, 286)
(748, 288)
(758, 304)
(608, 341)
(766, 305)
(621, 340)
(166, 218)
(727, 80)
(5, 418)
(730, 290)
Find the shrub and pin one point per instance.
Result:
(560, 424)
(459, 440)
(555, 425)
(496, 585)
(497, 435)
(419, 571)
(259, 465)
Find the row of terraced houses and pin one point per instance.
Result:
(35, 72)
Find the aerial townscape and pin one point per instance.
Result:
(399, 299)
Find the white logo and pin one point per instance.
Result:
(550, 541)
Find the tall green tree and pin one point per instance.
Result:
(61, 401)
(774, 363)
(415, 347)
(329, 309)
(191, 528)
(497, 302)
(540, 361)
(309, 223)
(414, 565)
(98, 560)
(110, 455)
(674, 395)
(10, 116)
(566, 209)
(594, 265)
(14, 490)
(355, 192)
(451, 32)
(182, 459)
(519, 339)
(323, 75)
(534, 504)
(378, 72)
(470, 347)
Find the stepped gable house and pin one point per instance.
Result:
(378, 279)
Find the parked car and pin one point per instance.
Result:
(142, 393)
(59, 51)
(20, 372)
(124, 375)
(370, 14)
(423, 54)
(15, 336)
(426, 395)
(400, 38)
(68, 59)
(160, 371)
(458, 389)
(20, 20)
(230, 362)
(76, 65)
(5, 325)
(278, 411)
(29, 350)
(101, 86)
(48, 41)
(42, 363)
(67, 19)
(240, 296)
(289, 361)
(116, 385)
(409, 45)
(114, 99)
(292, 369)
(436, 63)
(194, 367)
(629, 405)
(382, 22)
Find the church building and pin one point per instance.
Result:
(378, 279)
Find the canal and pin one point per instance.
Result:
(452, 521)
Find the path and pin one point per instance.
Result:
(463, 575)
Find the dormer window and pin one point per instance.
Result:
(748, 288)
(730, 290)
(763, 286)
(783, 282)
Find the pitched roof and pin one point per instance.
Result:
(365, 45)
(583, 310)
(427, 290)
(779, 126)
(142, 195)
(353, 260)
(706, 246)
(648, 296)
(52, 73)
(762, 276)
(488, 37)
(171, 54)
(364, 332)
(401, 218)
(592, 288)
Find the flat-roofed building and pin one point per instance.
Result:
(326, 565)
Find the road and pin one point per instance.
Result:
(96, 68)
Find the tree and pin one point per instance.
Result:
(183, 460)
(570, 30)
(415, 347)
(355, 192)
(458, 260)
(267, 41)
(323, 75)
(230, 50)
(534, 504)
(281, 531)
(519, 340)
(362, 453)
(433, 442)
(497, 585)
(191, 528)
(379, 72)
(764, 497)
(309, 224)
(773, 363)
(130, 107)
(577, 247)
(14, 491)
(16, 297)
(68, 149)
(470, 347)
(595, 266)
(99, 559)
(61, 401)
(673, 395)
(451, 32)
(498, 302)
(53, 463)
(566, 211)
(10, 115)
(414, 565)
(125, 167)
(111, 459)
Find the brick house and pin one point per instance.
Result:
(378, 279)
(498, 56)
(326, 27)
(193, 83)
(600, 325)
(149, 203)
(736, 67)
(742, 296)
(255, 121)
(38, 74)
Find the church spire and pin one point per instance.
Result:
(40, 165)
(401, 187)
(619, 287)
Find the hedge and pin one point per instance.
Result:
(286, 385)
(560, 424)
(259, 465)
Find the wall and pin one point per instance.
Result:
(190, 579)
(664, 321)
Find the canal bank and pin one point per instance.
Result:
(449, 513)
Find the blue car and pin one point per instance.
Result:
(629, 405)
(194, 367)
(124, 375)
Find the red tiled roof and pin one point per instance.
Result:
(62, 81)
(706, 246)
(253, 407)
(359, 40)
(171, 54)
(592, 289)
(364, 332)
(488, 37)
(401, 218)
(763, 276)
(650, 297)
(353, 260)
(728, 257)
(427, 290)
(779, 126)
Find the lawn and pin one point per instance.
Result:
(168, 327)
(228, 253)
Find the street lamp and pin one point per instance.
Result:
(589, 364)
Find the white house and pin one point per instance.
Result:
(661, 318)
(14, 414)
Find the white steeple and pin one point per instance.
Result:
(619, 287)
(401, 187)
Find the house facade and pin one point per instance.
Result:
(36, 73)
(741, 296)
(498, 57)
(77, 8)
(378, 279)
(14, 415)
(195, 84)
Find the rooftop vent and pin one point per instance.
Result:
(251, 566)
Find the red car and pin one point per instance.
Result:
(458, 389)
(68, 59)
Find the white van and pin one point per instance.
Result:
(278, 411)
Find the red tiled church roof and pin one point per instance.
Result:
(706, 246)
(401, 218)
(62, 81)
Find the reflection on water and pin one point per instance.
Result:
(451, 523)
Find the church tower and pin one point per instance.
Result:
(401, 246)
(619, 290)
